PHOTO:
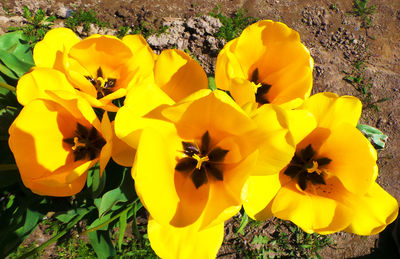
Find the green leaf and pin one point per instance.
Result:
(17, 44)
(101, 243)
(122, 227)
(71, 214)
(243, 223)
(260, 240)
(211, 83)
(375, 136)
(94, 182)
(17, 65)
(125, 192)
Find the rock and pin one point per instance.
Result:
(94, 29)
(4, 19)
(16, 19)
(63, 12)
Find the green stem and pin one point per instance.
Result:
(8, 167)
(134, 224)
(7, 86)
(107, 222)
(53, 239)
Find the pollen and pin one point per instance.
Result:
(200, 160)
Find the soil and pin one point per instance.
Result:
(335, 38)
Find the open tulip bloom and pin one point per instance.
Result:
(192, 163)
(100, 68)
(267, 63)
(56, 142)
(329, 185)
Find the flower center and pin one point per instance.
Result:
(305, 168)
(104, 85)
(201, 162)
(261, 89)
(85, 143)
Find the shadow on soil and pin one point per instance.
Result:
(388, 245)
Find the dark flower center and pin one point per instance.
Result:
(262, 90)
(104, 86)
(305, 168)
(203, 162)
(85, 143)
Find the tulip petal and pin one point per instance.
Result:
(48, 52)
(154, 174)
(261, 191)
(34, 85)
(187, 242)
(331, 110)
(178, 75)
(213, 111)
(373, 211)
(353, 158)
(136, 114)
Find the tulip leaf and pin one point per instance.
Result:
(122, 227)
(211, 83)
(94, 182)
(71, 214)
(15, 56)
(243, 223)
(101, 243)
(123, 193)
(375, 136)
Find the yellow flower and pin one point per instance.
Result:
(189, 242)
(55, 142)
(176, 76)
(100, 68)
(192, 162)
(329, 185)
(267, 63)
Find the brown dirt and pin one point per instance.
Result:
(329, 34)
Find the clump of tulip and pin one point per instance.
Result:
(197, 156)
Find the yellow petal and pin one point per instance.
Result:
(154, 173)
(107, 132)
(57, 191)
(34, 85)
(136, 114)
(242, 91)
(317, 209)
(189, 242)
(213, 111)
(178, 75)
(48, 52)
(261, 191)
(122, 153)
(353, 158)
(373, 212)
(331, 110)
(228, 67)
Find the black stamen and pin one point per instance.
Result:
(199, 177)
(217, 154)
(205, 143)
(99, 72)
(214, 171)
(186, 164)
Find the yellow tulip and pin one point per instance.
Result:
(55, 142)
(329, 185)
(192, 162)
(100, 68)
(267, 63)
(176, 76)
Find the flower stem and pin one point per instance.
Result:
(7, 86)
